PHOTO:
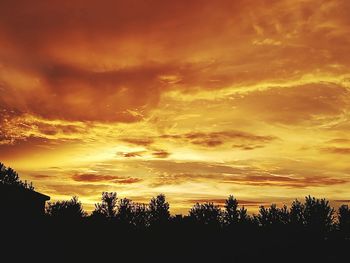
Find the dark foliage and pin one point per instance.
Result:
(158, 211)
(107, 209)
(9, 176)
(118, 230)
(66, 210)
(206, 214)
(344, 220)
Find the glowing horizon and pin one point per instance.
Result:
(193, 99)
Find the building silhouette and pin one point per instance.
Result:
(19, 202)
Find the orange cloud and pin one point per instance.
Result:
(161, 154)
(337, 150)
(213, 139)
(104, 178)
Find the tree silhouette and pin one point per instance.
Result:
(159, 210)
(125, 211)
(68, 210)
(318, 215)
(344, 220)
(243, 216)
(231, 213)
(108, 207)
(297, 214)
(140, 218)
(206, 214)
(284, 215)
(9, 176)
(272, 216)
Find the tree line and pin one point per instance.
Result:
(118, 228)
(313, 215)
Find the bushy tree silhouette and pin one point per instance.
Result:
(344, 220)
(231, 213)
(108, 207)
(243, 216)
(297, 214)
(125, 211)
(140, 217)
(272, 216)
(318, 215)
(9, 176)
(206, 214)
(158, 210)
(284, 215)
(66, 210)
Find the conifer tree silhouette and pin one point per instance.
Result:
(231, 213)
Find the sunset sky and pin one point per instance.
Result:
(193, 99)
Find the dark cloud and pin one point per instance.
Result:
(182, 172)
(41, 176)
(52, 129)
(93, 177)
(337, 150)
(339, 141)
(247, 147)
(68, 51)
(286, 181)
(128, 181)
(24, 146)
(131, 154)
(213, 139)
(105, 178)
(221, 201)
(342, 201)
(139, 141)
(80, 190)
(74, 94)
(160, 154)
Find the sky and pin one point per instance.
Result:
(194, 99)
